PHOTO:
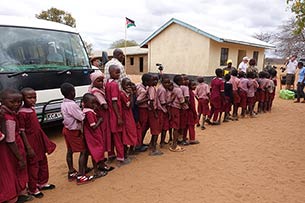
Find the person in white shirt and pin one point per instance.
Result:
(243, 65)
(291, 67)
(118, 59)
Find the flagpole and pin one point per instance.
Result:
(125, 42)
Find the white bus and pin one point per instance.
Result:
(42, 55)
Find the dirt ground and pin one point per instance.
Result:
(251, 160)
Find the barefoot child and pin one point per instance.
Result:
(153, 119)
(176, 104)
(162, 108)
(202, 94)
(93, 134)
(115, 110)
(73, 118)
(38, 169)
(129, 136)
(13, 175)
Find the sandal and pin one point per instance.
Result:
(177, 149)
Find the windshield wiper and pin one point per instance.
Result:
(17, 73)
(68, 71)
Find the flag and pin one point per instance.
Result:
(129, 22)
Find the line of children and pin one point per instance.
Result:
(24, 166)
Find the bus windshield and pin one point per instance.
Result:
(31, 49)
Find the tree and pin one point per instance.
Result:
(289, 42)
(298, 8)
(89, 48)
(56, 15)
(265, 36)
(121, 43)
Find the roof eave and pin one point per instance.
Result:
(250, 44)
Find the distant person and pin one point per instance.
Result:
(291, 67)
(301, 83)
(202, 94)
(95, 62)
(54, 57)
(228, 68)
(117, 60)
(243, 65)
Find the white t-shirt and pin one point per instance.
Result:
(243, 67)
(291, 66)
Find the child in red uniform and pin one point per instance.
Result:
(228, 97)
(183, 83)
(153, 120)
(191, 115)
(142, 102)
(202, 94)
(73, 118)
(13, 175)
(163, 108)
(115, 110)
(252, 86)
(217, 91)
(97, 88)
(129, 135)
(176, 104)
(263, 83)
(135, 113)
(93, 134)
(273, 74)
(243, 91)
(38, 169)
(236, 98)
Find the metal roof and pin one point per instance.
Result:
(16, 21)
(219, 35)
(134, 50)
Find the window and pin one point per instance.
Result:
(224, 56)
(141, 64)
(255, 56)
(131, 61)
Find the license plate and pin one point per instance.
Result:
(53, 116)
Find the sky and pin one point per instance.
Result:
(102, 22)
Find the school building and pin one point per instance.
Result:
(184, 48)
(136, 60)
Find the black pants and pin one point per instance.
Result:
(300, 92)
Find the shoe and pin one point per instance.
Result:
(72, 175)
(100, 174)
(203, 128)
(106, 168)
(141, 148)
(125, 162)
(184, 143)
(215, 123)
(225, 120)
(156, 153)
(208, 121)
(38, 195)
(24, 198)
(296, 102)
(47, 187)
(84, 179)
(192, 142)
(198, 125)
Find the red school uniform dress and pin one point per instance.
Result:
(263, 82)
(202, 92)
(93, 137)
(217, 87)
(143, 107)
(154, 126)
(252, 86)
(38, 169)
(129, 136)
(162, 95)
(13, 179)
(104, 113)
(177, 99)
(235, 83)
(184, 107)
(272, 94)
(113, 94)
(192, 117)
(243, 91)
